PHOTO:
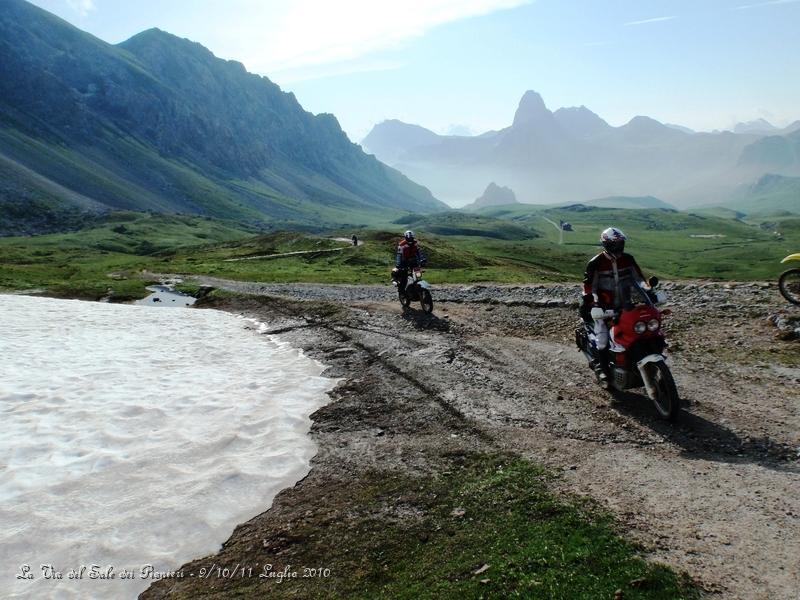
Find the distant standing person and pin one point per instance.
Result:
(355, 240)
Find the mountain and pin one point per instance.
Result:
(791, 128)
(680, 128)
(549, 157)
(159, 123)
(580, 122)
(774, 152)
(494, 195)
(760, 126)
(641, 130)
(390, 139)
(769, 195)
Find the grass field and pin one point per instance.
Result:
(506, 244)
(667, 243)
(86, 263)
(489, 528)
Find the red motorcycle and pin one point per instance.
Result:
(637, 346)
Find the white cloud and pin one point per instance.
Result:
(769, 3)
(304, 33)
(82, 7)
(653, 20)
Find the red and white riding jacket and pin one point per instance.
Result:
(610, 278)
(408, 255)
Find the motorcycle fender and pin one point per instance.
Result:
(648, 383)
(791, 257)
(424, 284)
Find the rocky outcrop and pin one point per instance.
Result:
(494, 195)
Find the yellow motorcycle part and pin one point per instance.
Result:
(791, 257)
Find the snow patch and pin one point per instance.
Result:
(134, 437)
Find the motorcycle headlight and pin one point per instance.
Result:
(653, 324)
(640, 327)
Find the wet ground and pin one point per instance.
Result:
(495, 368)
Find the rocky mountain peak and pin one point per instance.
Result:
(495, 195)
(642, 122)
(531, 109)
(580, 121)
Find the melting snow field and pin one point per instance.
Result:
(133, 437)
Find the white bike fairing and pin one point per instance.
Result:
(601, 334)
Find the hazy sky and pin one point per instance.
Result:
(462, 65)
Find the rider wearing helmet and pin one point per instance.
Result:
(607, 282)
(408, 256)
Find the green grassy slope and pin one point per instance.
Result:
(631, 202)
(450, 259)
(770, 195)
(666, 243)
(510, 538)
(87, 263)
(669, 243)
(467, 224)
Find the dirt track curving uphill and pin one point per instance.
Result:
(717, 494)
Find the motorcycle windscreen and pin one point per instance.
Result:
(633, 294)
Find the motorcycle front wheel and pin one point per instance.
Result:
(427, 301)
(789, 285)
(667, 402)
(405, 301)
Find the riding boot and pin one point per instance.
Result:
(603, 357)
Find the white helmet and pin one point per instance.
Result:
(613, 240)
(409, 236)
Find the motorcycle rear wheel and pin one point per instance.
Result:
(789, 285)
(667, 402)
(427, 301)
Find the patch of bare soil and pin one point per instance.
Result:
(716, 495)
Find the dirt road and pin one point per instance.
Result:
(716, 495)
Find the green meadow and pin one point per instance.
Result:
(513, 244)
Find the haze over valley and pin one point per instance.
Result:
(573, 155)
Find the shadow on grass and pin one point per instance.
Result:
(703, 439)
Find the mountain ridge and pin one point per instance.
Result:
(160, 123)
(548, 156)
